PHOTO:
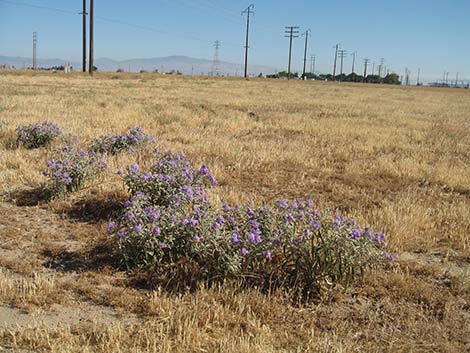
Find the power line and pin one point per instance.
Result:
(117, 21)
(248, 11)
(291, 33)
(39, 7)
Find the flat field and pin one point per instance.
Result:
(395, 158)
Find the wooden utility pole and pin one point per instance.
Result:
(84, 37)
(291, 32)
(248, 11)
(92, 10)
(306, 33)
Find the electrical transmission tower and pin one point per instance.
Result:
(248, 11)
(366, 63)
(35, 41)
(354, 61)
(313, 59)
(407, 77)
(291, 33)
(336, 60)
(419, 74)
(306, 34)
(216, 62)
(342, 55)
(84, 13)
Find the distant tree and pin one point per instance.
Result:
(392, 79)
(95, 68)
(119, 70)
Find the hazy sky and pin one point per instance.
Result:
(431, 34)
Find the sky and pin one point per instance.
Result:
(433, 35)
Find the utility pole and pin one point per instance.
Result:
(35, 40)
(373, 68)
(342, 54)
(84, 13)
(336, 60)
(92, 14)
(291, 33)
(306, 33)
(354, 61)
(419, 74)
(248, 11)
(382, 61)
(366, 63)
(313, 59)
(456, 79)
(215, 62)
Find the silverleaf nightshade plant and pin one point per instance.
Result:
(114, 144)
(40, 134)
(169, 219)
(72, 168)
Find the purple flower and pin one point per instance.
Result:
(243, 251)
(122, 234)
(267, 254)
(235, 238)
(156, 230)
(134, 169)
(204, 170)
(289, 218)
(356, 234)
(111, 226)
(162, 245)
(316, 224)
(197, 239)
(138, 228)
(282, 204)
(120, 172)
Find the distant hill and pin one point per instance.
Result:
(184, 64)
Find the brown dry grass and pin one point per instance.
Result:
(395, 158)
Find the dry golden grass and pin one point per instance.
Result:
(395, 158)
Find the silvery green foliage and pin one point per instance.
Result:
(169, 219)
(72, 169)
(114, 144)
(40, 134)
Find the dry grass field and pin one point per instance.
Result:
(395, 158)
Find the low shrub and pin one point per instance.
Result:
(40, 134)
(118, 143)
(169, 219)
(72, 169)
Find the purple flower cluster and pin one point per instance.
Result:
(72, 169)
(116, 143)
(171, 180)
(37, 135)
(169, 217)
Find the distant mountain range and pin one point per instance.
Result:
(184, 64)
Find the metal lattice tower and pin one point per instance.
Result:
(35, 41)
(216, 61)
